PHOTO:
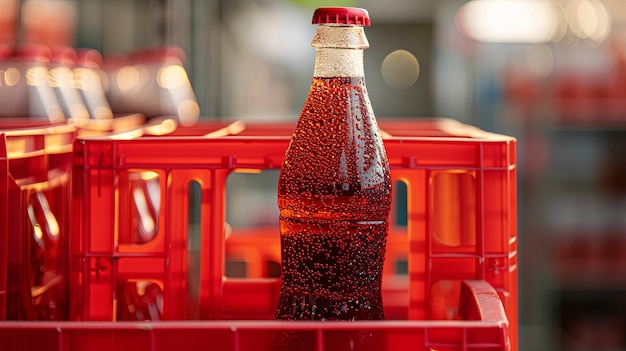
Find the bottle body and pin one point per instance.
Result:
(334, 196)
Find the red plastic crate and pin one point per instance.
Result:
(130, 247)
(35, 166)
(35, 171)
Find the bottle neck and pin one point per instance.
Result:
(339, 51)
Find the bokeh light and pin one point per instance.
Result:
(589, 19)
(127, 78)
(10, 77)
(188, 112)
(172, 77)
(400, 69)
(512, 21)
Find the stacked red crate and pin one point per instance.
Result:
(35, 168)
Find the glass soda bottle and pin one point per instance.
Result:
(334, 188)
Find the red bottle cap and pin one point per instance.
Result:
(89, 58)
(34, 53)
(341, 15)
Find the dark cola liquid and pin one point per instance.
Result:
(332, 270)
(334, 196)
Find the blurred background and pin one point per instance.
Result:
(552, 73)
